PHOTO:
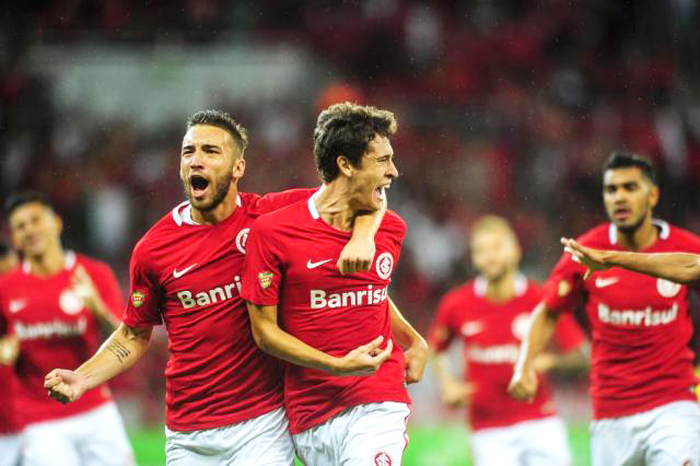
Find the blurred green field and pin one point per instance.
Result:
(434, 446)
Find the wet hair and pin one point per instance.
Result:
(17, 200)
(224, 121)
(621, 159)
(346, 130)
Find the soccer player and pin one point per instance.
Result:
(56, 303)
(642, 375)
(9, 426)
(347, 404)
(223, 395)
(490, 315)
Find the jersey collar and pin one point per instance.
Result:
(69, 259)
(182, 213)
(664, 230)
(311, 203)
(481, 285)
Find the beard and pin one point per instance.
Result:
(220, 187)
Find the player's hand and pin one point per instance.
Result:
(64, 385)
(592, 259)
(544, 362)
(456, 393)
(356, 256)
(365, 359)
(523, 384)
(9, 350)
(416, 358)
(83, 286)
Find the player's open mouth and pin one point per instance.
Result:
(621, 213)
(199, 185)
(380, 192)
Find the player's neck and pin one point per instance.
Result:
(333, 205)
(501, 289)
(218, 214)
(641, 238)
(47, 264)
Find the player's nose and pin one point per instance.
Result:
(392, 172)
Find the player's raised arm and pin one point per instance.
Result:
(523, 384)
(676, 266)
(416, 352)
(358, 254)
(118, 353)
(270, 338)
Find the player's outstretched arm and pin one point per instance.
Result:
(363, 360)
(677, 267)
(454, 392)
(358, 254)
(118, 353)
(416, 348)
(523, 384)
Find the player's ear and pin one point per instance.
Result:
(344, 165)
(58, 222)
(238, 168)
(653, 195)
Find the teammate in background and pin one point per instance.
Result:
(490, 315)
(642, 375)
(55, 304)
(328, 326)
(223, 395)
(9, 347)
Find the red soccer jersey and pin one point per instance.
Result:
(640, 326)
(189, 277)
(291, 263)
(491, 334)
(8, 411)
(54, 329)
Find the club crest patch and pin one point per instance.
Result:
(382, 459)
(667, 289)
(384, 265)
(137, 298)
(265, 279)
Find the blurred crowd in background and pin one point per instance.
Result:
(506, 107)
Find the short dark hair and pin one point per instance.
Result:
(224, 121)
(622, 159)
(346, 129)
(17, 200)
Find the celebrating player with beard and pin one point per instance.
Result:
(346, 405)
(642, 375)
(223, 395)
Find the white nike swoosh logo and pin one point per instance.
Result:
(18, 305)
(313, 265)
(603, 282)
(180, 273)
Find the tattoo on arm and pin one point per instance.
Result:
(119, 350)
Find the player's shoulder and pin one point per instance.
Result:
(678, 236)
(176, 218)
(291, 214)
(598, 236)
(533, 289)
(90, 263)
(459, 294)
(393, 223)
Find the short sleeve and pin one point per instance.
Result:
(568, 335)
(109, 289)
(441, 331)
(564, 286)
(143, 306)
(271, 202)
(263, 267)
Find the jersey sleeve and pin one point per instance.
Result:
(143, 307)
(564, 286)
(108, 288)
(442, 331)
(275, 201)
(568, 335)
(263, 267)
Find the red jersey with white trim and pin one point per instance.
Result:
(291, 263)
(189, 276)
(8, 413)
(640, 325)
(490, 333)
(54, 329)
